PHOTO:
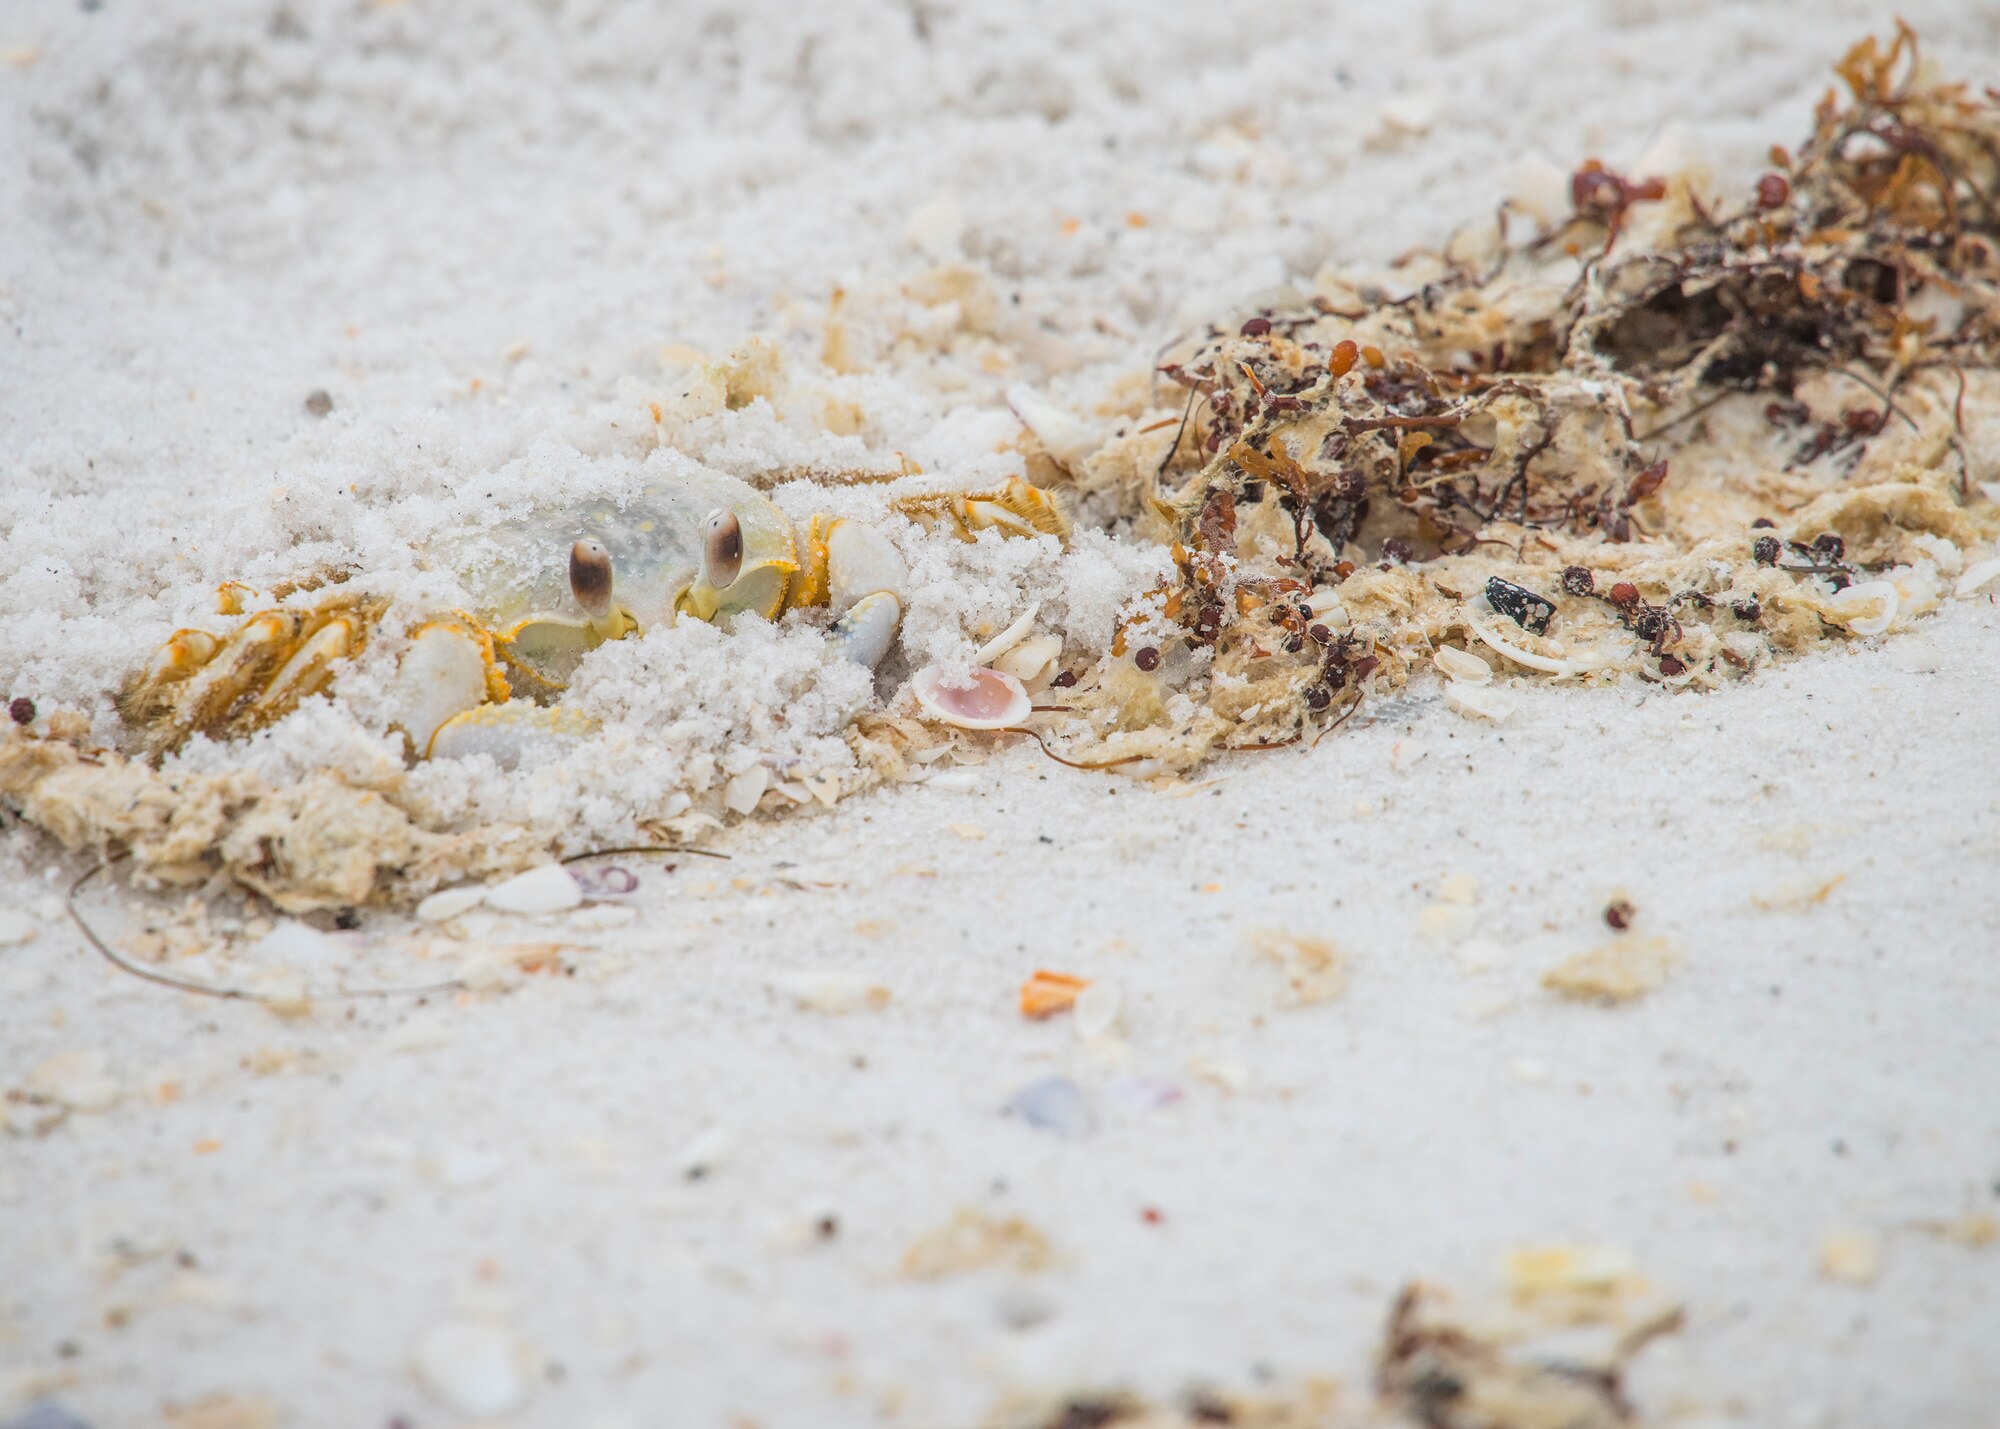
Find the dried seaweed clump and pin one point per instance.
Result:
(1668, 435)
(319, 844)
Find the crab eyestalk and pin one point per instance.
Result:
(590, 583)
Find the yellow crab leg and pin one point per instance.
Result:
(1013, 508)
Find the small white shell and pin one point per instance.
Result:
(1457, 664)
(744, 789)
(1007, 639)
(988, 700)
(546, 889)
(1846, 605)
(1977, 578)
(1482, 701)
(1031, 658)
(1069, 438)
(1095, 1012)
(1522, 656)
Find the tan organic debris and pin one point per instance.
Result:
(972, 1240)
(1619, 971)
(314, 845)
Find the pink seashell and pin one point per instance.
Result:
(990, 700)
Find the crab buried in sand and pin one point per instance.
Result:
(546, 590)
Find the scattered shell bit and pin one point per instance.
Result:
(972, 1240)
(836, 993)
(741, 793)
(1446, 922)
(610, 881)
(1461, 888)
(470, 1368)
(1521, 655)
(988, 699)
(1046, 993)
(1054, 1104)
(1031, 658)
(1007, 639)
(1315, 969)
(705, 1153)
(1478, 955)
(1068, 438)
(1845, 605)
(1096, 1010)
(1406, 753)
(1977, 578)
(1479, 701)
(1616, 972)
(547, 889)
(1536, 1271)
(448, 903)
(1851, 1257)
(1456, 664)
(76, 1079)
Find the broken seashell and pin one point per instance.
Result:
(1480, 700)
(1007, 639)
(545, 889)
(1457, 664)
(986, 700)
(741, 793)
(1844, 604)
(1031, 658)
(1977, 578)
(1067, 437)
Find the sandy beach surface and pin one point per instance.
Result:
(767, 1141)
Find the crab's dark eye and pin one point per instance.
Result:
(722, 547)
(590, 576)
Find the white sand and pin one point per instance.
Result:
(208, 210)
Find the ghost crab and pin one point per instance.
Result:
(547, 590)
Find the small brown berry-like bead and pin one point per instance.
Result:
(1671, 665)
(1624, 593)
(1765, 550)
(21, 710)
(1147, 658)
(1772, 191)
(1256, 327)
(1578, 581)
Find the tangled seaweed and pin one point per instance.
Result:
(1659, 436)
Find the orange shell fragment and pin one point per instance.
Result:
(1045, 993)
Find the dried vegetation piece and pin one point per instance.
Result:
(1315, 970)
(319, 844)
(1442, 1374)
(972, 1240)
(1851, 1257)
(1619, 971)
(1663, 434)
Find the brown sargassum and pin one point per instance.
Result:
(1671, 426)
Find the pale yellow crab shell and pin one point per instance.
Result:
(518, 572)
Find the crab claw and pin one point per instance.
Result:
(986, 699)
(863, 574)
(518, 734)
